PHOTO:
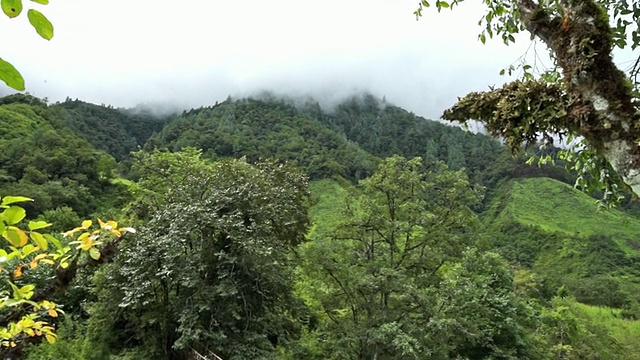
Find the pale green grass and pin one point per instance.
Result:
(626, 332)
(329, 198)
(123, 181)
(558, 207)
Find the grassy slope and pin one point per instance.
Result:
(328, 200)
(625, 332)
(557, 207)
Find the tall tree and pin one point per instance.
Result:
(587, 96)
(217, 276)
(389, 276)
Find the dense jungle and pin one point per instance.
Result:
(273, 228)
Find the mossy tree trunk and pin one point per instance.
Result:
(594, 100)
(581, 43)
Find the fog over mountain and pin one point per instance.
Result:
(125, 53)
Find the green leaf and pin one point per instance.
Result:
(16, 290)
(39, 240)
(54, 241)
(94, 253)
(11, 8)
(15, 236)
(37, 225)
(7, 200)
(14, 215)
(28, 250)
(40, 22)
(26, 291)
(43, 2)
(11, 76)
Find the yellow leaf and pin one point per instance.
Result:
(83, 236)
(102, 224)
(34, 263)
(86, 224)
(17, 273)
(110, 225)
(71, 232)
(86, 244)
(52, 313)
(116, 233)
(15, 236)
(51, 338)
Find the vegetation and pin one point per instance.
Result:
(451, 250)
(12, 9)
(585, 95)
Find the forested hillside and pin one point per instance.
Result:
(272, 228)
(116, 131)
(255, 128)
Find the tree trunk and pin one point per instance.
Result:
(600, 94)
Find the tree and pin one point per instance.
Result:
(585, 96)
(13, 8)
(217, 271)
(399, 278)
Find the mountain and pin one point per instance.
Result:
(558, 233)
(255, 128)
(116, 131)
(346, 141)
(45, 159)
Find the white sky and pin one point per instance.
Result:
(196, 52)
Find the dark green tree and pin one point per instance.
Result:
(217, 272)
(396, 278)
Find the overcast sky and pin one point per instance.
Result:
(196, 52)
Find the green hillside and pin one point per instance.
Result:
(271, 128)
(373, 243)
(559, 208)
(116, 131)
(558, 234)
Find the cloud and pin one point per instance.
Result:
(196, 52)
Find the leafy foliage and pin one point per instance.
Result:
(13, 8)
(216, 273)
(266, 128)
(386, 277)
(24, 305)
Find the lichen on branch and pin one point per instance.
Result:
(520, 112)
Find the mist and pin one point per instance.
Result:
(124, 54)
